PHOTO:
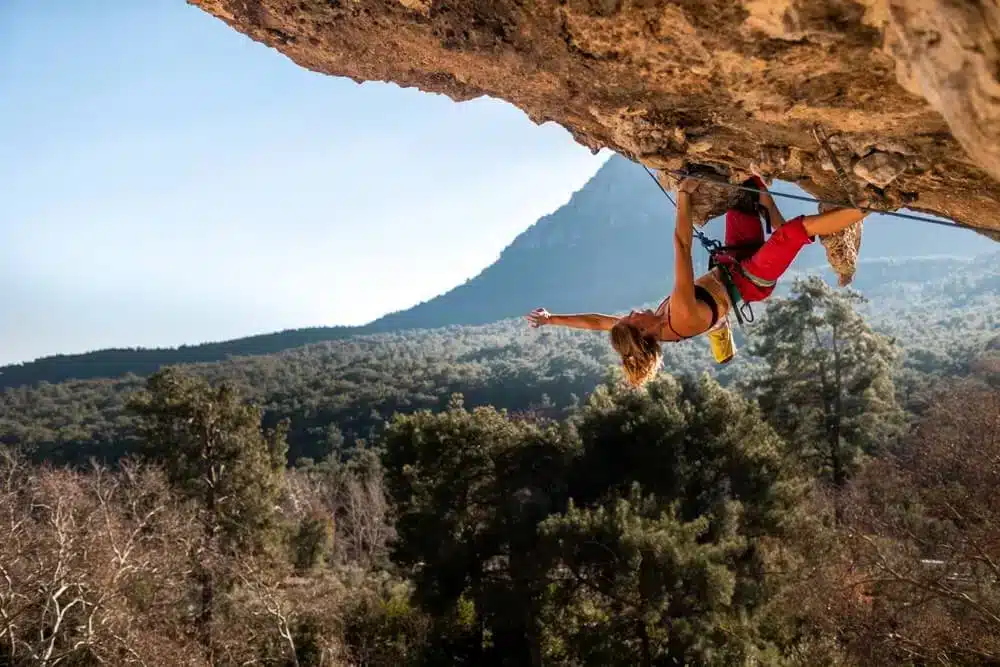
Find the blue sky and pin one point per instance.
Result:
(166, 180)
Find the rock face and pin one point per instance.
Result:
(880, 169)
(907, 92)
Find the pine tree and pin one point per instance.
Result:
(633, 535)
(470, 489)
(661, 558)
(216, 454)
(828, 386)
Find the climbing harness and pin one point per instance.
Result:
(719, 256)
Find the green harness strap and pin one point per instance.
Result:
(714, 249)
(734, 294)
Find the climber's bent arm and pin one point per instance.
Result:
(773, 213)
(683, 294)
(777, 220)
(590, 321)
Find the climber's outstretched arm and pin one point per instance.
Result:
(591, 321)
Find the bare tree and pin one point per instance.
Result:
(85, 575)
(101, 566)
(268, 602)
(924, 527)
(365, 526)
(15, 602)
(352, 499)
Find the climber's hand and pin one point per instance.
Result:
(688, 185)
(538, 317)
(766, 200)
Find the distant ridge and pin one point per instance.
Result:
(607, 249)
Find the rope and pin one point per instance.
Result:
(659, 185)
(711, 245)
(734, 186)
(743, 312)
(845, 184)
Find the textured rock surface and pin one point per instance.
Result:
(736, 85)
(880, 169)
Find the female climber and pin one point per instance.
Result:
(696, 306)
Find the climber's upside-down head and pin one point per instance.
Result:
(634, 338)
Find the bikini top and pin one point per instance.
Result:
(701, 294)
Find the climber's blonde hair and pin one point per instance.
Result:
(641, 354)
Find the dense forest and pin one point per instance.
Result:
(833, 505)
(609, 248)
(943, 312)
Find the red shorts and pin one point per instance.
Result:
(770, 261)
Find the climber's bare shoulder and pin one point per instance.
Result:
(684, 318)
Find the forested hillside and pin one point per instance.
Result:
(833, 507)
(609, 248)
(943, 312)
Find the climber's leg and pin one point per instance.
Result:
(778, 252)
(756, 277)
(831, 222)
(755, 281)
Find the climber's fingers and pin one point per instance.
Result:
(688, 185)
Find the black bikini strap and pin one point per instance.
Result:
(671, 326)
(705, 297)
